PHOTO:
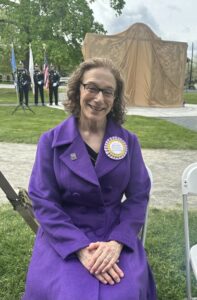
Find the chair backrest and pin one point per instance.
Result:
(193, 259)
(144, 229)
(189, 187)
(189, 180)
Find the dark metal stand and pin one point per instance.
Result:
(24, 107)
(20, 202)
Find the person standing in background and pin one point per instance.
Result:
(39, 84)
(23, 82)
(54, 79)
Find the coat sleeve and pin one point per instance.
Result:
(133, 209)
(45, 193)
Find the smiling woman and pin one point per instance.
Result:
(88, 237)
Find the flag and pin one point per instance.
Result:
(13, 61)
(46, 71)
(13, 65)
(31, 67)
(14, 71)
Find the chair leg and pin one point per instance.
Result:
(187, 247)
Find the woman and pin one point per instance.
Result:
(87, 246)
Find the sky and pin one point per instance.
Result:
(171, 20)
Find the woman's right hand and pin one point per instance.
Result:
(112, 276)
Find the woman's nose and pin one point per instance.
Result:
(99, 96)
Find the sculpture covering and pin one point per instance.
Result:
(153, 69)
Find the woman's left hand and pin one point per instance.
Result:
(105, 256)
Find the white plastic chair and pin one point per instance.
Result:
(144, 229)
(189, 187)
(193, 259)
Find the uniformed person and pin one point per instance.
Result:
(38, 84)
(54, 79)
(23, 83)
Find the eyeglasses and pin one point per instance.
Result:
(93, 89)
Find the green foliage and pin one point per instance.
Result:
(60, 25)
(164, 245)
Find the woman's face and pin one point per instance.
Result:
(97, 92)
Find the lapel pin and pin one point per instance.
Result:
(73, 156)
(115, 148)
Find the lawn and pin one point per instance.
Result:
(25, 127)
(164, 246)
(9, 96)
(190, 97)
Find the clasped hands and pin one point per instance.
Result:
(100, 259)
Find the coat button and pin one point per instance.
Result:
(76, 196)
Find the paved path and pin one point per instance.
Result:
(166, 165)
(188, 122)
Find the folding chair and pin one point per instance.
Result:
(193, 259)
(144, 229)
(189, 187)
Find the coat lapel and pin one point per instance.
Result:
(76, 158)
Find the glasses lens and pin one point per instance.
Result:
(108, 93)
(92, 88)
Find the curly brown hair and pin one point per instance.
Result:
(72, 104)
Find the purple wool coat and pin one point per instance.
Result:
(76, 204)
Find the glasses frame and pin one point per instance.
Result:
(98, 90)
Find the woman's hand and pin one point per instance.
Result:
(112, 276)
(105, 256)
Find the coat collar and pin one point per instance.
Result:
(76, 157)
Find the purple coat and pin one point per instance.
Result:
(77, 203)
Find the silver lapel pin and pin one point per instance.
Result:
(73, 156)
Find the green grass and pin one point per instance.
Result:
(155, 133)
(164, 245)
(8, 96)
(190, 98)
(25, 127)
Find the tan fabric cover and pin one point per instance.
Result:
(153, 70)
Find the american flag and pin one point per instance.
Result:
(46, 72)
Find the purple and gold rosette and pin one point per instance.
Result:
(115, 148)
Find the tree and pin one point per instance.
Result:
(117, 5)
(59, 24)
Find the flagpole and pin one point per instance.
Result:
(31, 67)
